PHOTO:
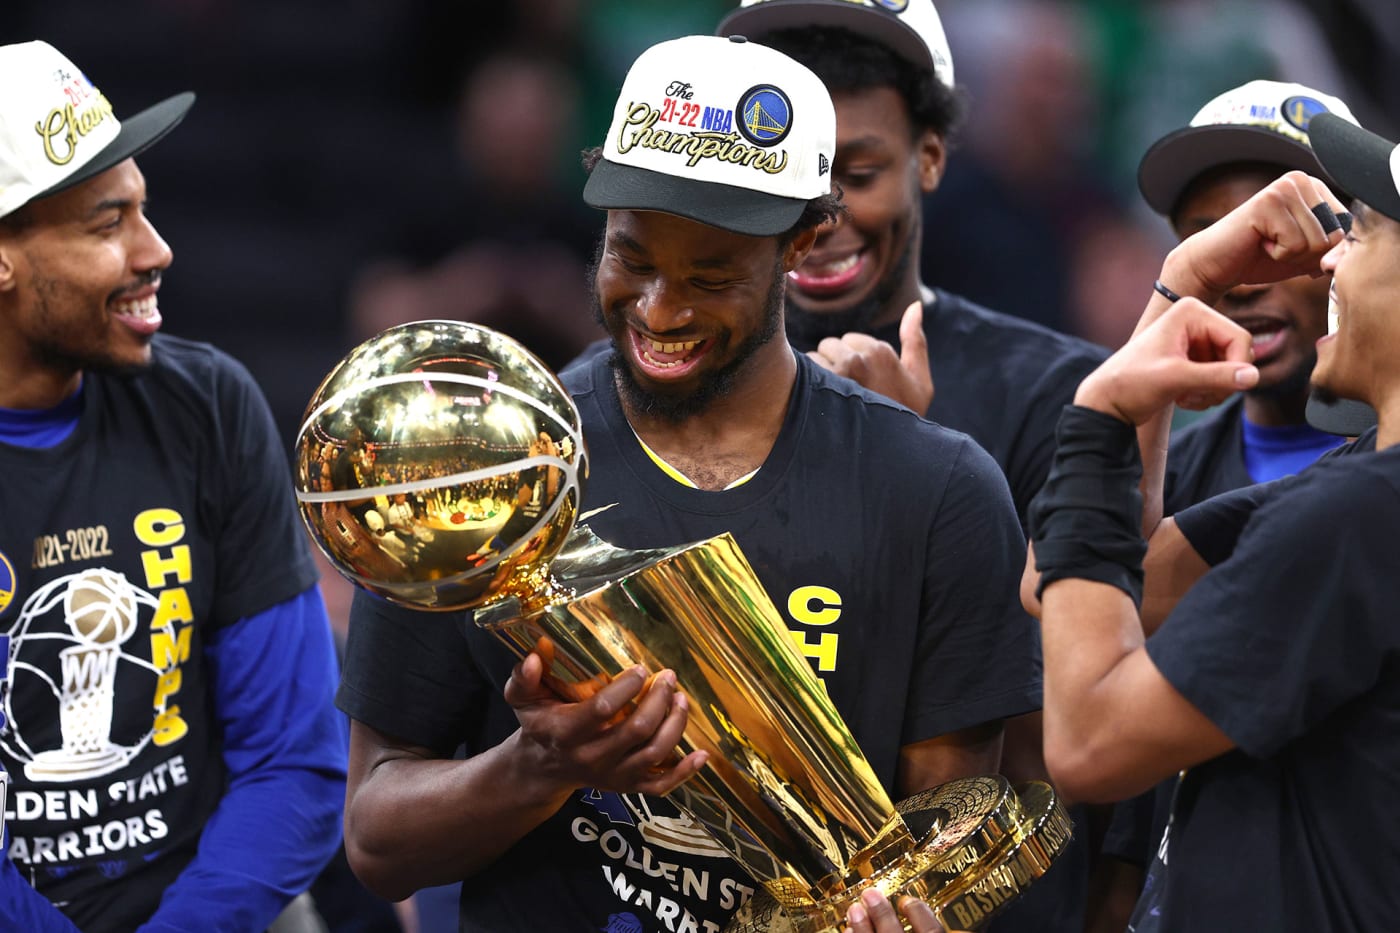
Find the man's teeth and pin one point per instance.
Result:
(684, 347)
(657, 346)
(838, 266)
(142, 307)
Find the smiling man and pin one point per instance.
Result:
(856, 304)
(1272, 683)
(701, 419)
(1235, 146)
(175, 753)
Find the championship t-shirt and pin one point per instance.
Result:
(164, 515)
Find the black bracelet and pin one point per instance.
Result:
(1086, 521)
(1165, 292)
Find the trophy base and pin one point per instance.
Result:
(60, 765)
(981, 845)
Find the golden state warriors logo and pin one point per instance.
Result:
(1300, 110)
(894, 6)
(766, 115)
(7, 581)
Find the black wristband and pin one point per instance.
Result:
(1086, 520)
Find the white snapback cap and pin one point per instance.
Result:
(1262, 121)
(910, 28)
(722, 131)
(57, 129)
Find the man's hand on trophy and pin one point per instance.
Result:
(621, 738)
(874, 913)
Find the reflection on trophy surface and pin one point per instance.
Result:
(439, 466)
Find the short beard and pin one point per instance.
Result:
(55, 352)
(806, 328)
(1294, 384)
(676, 409)
(56, 359)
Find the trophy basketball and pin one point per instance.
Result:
(440, 466)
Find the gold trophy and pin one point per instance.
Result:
(439, 466)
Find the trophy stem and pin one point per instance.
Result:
(787, 791)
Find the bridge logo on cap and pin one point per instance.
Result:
(766, 115)
(1300, 110)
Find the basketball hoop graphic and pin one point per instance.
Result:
(101, 609)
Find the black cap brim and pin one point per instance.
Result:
(1344, 416)
(1358, 159)
(138, 133)
(761, 18)
(1178, 158)
(739, 210)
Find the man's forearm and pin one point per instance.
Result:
(414, 821)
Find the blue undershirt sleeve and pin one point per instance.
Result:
(285, 746)
(22, 907)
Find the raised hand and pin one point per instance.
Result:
(1191, 355)
(1275, 235)
(873, 363)
(604, 741)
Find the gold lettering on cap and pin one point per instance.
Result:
(639, 130)
(65, 126)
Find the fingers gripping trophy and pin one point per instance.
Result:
(439, 466)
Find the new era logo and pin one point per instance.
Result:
(823, 166)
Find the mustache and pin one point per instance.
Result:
(144, 280)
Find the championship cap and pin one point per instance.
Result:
(722, 131)
(57, 129)
(1262, 121)
(911, 28)
(1368, 167)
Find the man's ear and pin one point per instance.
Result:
(933, 158)
(796, 251)
(8, 256)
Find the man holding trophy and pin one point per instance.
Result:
(898, 585)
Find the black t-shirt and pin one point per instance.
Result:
(909, 610)
(1290, 647)
(164, 516)
(1213, 526)
(1003, 381)
(1206, 458)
